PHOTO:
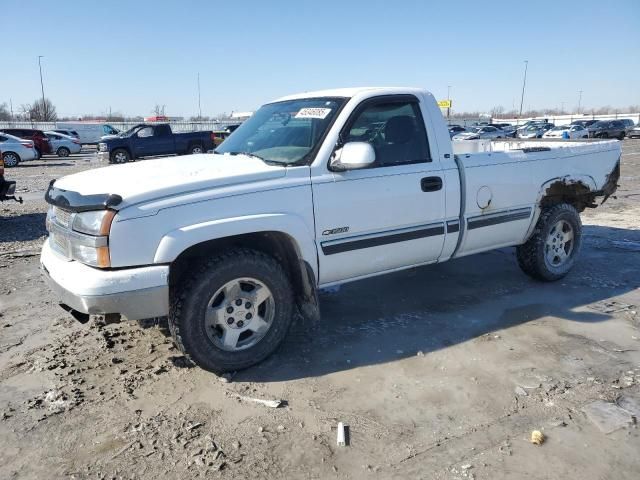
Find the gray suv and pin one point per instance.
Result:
(608, 129)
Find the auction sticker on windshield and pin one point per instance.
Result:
(320, 113)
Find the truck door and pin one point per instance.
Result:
(164, 140)
(390, 215)
(150, 141)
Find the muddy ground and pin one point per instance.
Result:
(439, 372)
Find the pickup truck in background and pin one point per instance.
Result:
(153, 140)
(313, 190)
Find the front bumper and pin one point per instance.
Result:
(7, 188)
(103, 156)
(135, 293)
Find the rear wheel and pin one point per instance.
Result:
(233, 312)
(11, 159)
(195, 149)
(120, 155)
(621, 137)
(551, 251)
(63, 152)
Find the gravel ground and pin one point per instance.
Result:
(439, 372)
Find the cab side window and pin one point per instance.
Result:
(145, 132)
(394, 129)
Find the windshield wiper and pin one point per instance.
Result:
(249, 154)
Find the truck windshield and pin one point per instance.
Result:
(284, 132)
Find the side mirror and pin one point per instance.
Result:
(353, 156)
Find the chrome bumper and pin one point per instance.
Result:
(6, 188)
(134, 293)
(103, 156)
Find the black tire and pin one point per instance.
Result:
(621, 137)
(11, 159)
(195, 149)
(119, 155)
(604, 135)
(63, 152)
(38, 154)
(192, 297)
(533, 255)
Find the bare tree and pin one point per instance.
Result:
(43, 111)
(158, 110)
(5, 114)
(497, 111)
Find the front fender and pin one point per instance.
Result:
(177, 241)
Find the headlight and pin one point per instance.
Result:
(102, 147)
(93, 223)
(82, 236)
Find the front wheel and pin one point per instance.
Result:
(120, 156)
(63, 152)
(551, 250)
(11, 159)
(232, 313)
(38, 154)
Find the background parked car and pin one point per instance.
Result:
(40, 140)
(63, 145)
(628, 123)
(567, 131)
(608, 129)
(68, 133)
(89, 132)
(16, 150)
(232, 128)
(476, 133)
(455, 130)
(584, 123)
(535, 130)
(510, 131)
(634, 132)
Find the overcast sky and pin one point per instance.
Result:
(132, 55)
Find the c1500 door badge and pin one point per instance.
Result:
(335, 231)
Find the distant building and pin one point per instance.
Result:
(240, 115)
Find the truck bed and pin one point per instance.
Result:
(507, 178)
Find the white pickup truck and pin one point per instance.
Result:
(313, 190)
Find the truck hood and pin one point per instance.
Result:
(157, 178)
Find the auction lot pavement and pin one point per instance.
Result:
(439, 372)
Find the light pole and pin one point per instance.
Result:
(579, 100)
(449, 100)
(524, 83)
(44, 106)
(199, 105)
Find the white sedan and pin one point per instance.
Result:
(15, 150)
(478, 133)
(567, 131)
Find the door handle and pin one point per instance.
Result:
(431, 184)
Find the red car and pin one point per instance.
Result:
(40, 140)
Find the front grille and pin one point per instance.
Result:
(62, 217)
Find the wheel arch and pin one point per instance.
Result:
(577, 190)
(292, 246)
(125, 148)
(15, 153)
